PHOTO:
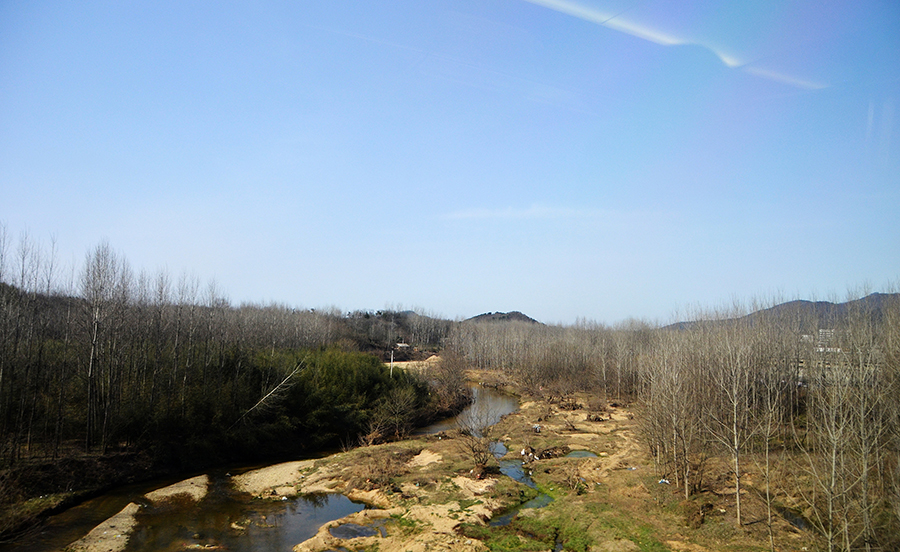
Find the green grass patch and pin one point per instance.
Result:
(646, 541)
(403, 521)
(531, 532)
(505, 539)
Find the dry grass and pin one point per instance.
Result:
(378, 467)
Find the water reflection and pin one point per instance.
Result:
(228, 520)
(64, 528)
(354, 530)
(581, 454)
(515, 469)
(487, 407)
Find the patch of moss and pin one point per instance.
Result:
(463, 504)
(504, 539)
(404, 522)
(14, 517)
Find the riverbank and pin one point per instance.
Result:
(112, 535)
(423, 493)
(606, 497)
(39, 488)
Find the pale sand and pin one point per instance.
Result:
(424, 458)
(194, 487)
(111, 535)
(282, 478)
(438, 531)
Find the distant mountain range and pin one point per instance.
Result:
(824, 314)
(514, 316)
(816, 314)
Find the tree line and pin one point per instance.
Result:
(807, 396)
(100, 358)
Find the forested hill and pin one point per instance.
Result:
(812, 315)
(514, 316)
(827, 313)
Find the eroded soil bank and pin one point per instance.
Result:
(423, 494)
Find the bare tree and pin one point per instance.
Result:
(448, 379)
(826, 486)
(673, 425)
(474, 436)
(727, 416)
(891, 388)
(774, 380)
(98, 281)
(870, 419)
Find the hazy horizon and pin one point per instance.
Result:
(66, 275)
(596, 160)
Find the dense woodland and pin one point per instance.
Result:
(105, 363)
(120, 360)
(101, 360)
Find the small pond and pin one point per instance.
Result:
(581, 454)
(354, 530)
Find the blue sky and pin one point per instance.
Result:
(569, 159)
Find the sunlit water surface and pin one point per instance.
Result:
(517, 470)
(226, 519)
(232, 521)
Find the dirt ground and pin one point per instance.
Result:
(425, 495)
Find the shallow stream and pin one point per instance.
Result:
(487, 408)
(488, 405)
(226, 519)
(516, 469)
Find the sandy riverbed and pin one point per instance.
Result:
(422, 492)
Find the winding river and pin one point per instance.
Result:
(232, 520)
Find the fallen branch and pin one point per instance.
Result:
(274, 393)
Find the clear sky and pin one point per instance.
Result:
(565, 158)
